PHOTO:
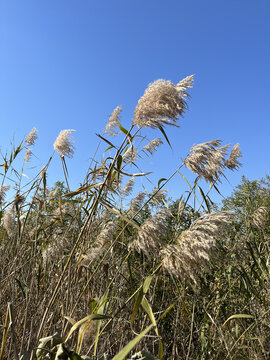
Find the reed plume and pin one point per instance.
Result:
(190, 255)
(208, 159)
(232, 163)
(63, 143)
(151, 234)
(31, 137)
(27, 156)
(259, 216)
(152, 146)
(9, 222)
(113, 121)
(162, 103)
(3, 190)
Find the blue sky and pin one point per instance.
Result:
(67, 64)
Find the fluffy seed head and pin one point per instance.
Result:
(63, 143)
(130, 155)
(127, 189)
(152, 146)
(207, 159)
(3, 190)
(136, 203)
(27, 155)
(113, 121)
(232, 163)
(159, 197)
(31, 137)
(151, 234)
(9, 223)
(162, 103)
(104, 237)
(259, 216)
(189, 257)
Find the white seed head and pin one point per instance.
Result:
(162, 103)
(232, 163)
(64, 143)
(31, 137)
(9, 223)
(136, 203)
(113, 121)
(207, 160)
(159, 197)
(259, 216)
(27, 155)
(151, 234)
(130, 155)
(189, 257)
(127, 189)
(152, 146)
(3, 190)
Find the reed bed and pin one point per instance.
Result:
(103, 272)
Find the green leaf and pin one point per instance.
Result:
(147, 308)
(238, 316)
(119, 162)
(87, 318)
(123, 129)
(160, 181)
(136, 307)
(164, 134)
(126, 350)
(147, 283)
(204, 198)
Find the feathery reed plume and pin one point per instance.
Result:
(3, 190)
(27, 155)
(207, 159)
(63, 143)
(152, 146)
(105, 236)
(113, 121)
(31, 137)
(151, 234)
(162, 103)
(191, 253)
(158, 198)
(55, 250)
(127, 189)
(233, 163)
(9, 223)
(136, 203)
(130, 155)
(259, 216)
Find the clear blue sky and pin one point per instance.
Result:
(67, 64)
